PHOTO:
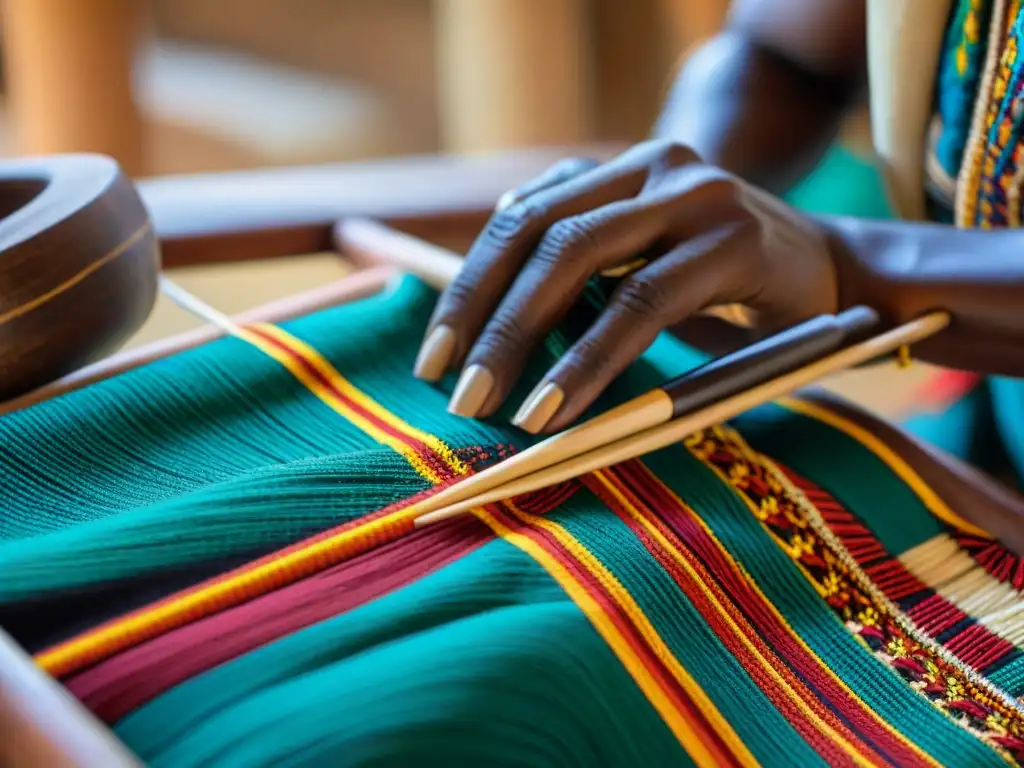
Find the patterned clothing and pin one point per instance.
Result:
(218, 559)
(974, 178)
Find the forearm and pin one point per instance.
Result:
(753, 112)
(905, 270)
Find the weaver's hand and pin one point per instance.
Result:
(705, 239)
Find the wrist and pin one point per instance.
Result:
(874, 263)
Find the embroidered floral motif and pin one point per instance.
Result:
(945, 684)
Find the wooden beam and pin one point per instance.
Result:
(208, 218)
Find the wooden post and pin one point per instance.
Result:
(512, 73)
(69, 70)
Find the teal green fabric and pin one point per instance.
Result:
(797, 441)
(382, 674)
(792, 594)
(843, 184)
(486, 660)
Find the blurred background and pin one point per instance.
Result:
(186, 86)
(171, 86)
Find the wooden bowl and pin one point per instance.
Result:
(79, 263)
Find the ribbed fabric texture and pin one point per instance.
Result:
(651, 615)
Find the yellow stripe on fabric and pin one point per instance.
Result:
(328, 551)
(145, 624)
(896, 463)
(678, 724)
(259, 580)
(893, 731)
(359, 397)
(337, 403)
(812, 717)
(577, 591)
(636, 616)
(677, 556)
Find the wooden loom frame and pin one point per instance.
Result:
(270, 214)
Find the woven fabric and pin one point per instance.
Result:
(216, 557)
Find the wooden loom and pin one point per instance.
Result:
(243, 216)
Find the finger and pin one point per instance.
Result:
(569, 254)
(438, 349)
(695, 275)
(559, 173)
(504, 246)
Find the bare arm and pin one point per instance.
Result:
(907, 269)
(764, 98)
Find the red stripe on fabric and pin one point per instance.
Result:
(280, 553)
(119, 685)
(898, 584)
(696, 540)
(866, 551)
(979, 647)
(821, 743)
(628, 630)
(934, 614)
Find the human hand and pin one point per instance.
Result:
(705, 238)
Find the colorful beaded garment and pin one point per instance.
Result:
(217, 557)
(974, 178)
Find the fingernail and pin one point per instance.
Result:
(539, 407)
(471, 392)
(435, 354)
(505, 201)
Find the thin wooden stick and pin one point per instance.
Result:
(367, 243)
(353, 287)
(674, 431)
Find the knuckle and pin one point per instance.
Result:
(572, 166)
(717, 185)
(567, 241)
(674, 154)
(460, 290)
(641, 297)
(516, 220)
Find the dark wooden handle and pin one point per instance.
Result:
(769, 358)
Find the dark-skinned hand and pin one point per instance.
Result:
(702, 238)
